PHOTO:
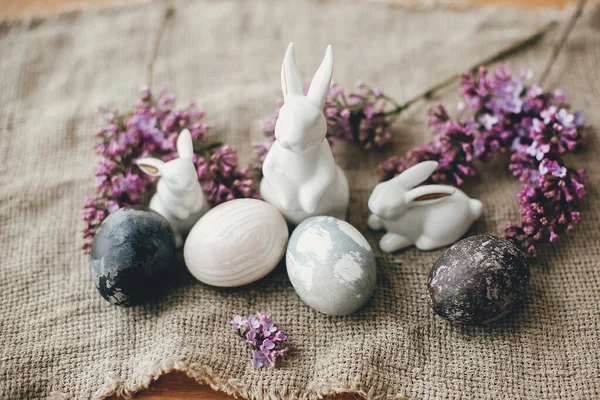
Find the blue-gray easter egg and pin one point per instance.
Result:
(132, 255)
(331, 265)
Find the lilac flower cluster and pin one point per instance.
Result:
(261, 334)
(504, 113)
(151, 129)
(452, 147)
(221, 177)
(362, 117)
(549, 208)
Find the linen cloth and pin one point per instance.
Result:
(59, 338)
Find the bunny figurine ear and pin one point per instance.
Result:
(428, 193)
(185, 145)
(319, 87)
(291, 84)
(417, 173)
(151, 166)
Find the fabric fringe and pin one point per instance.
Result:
(150, 373)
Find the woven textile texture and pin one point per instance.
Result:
(60, 339)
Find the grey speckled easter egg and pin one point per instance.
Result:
(478, 280)
(132, 254)
(331, 265)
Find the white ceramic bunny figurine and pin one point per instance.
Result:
(301, 178)
(429, 216)
(179, 196)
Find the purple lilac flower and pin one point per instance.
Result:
(452, 147)
(363, 117)
(549, 209)
(279, 336)
(253, 322)
(269, 327)
(535, 127)
(266, 346)
(258, 358)
(553, 168)
(151, 128)
(251, 336)
(238, 321)
(221, 177)
(261, 334)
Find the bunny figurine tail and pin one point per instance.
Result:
(476, 208)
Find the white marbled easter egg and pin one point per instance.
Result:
(236, 243)
(331, 265)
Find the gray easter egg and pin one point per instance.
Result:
(478, 280)
(132, 256)
(331, 265)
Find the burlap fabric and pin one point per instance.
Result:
(60, 338)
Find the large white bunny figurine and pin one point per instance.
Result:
(301, 178)
(429, 216)
(179, 196)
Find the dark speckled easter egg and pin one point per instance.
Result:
(132, 255)
(478, 280)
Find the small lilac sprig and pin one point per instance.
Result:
(151, 129)
(452, 147)
(508, 114)
(362, 117)
(261, 334)
(221, 177)
(548, 209)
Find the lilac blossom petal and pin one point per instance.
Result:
(237, 322)
(267, 346)
(258, 359)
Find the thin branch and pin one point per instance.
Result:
(509, 50)
(563, 39)
(169, 12)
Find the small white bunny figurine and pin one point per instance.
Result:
(179, 196)
(301, 178)
(429, 216)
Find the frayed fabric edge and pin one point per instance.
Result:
(114, 385)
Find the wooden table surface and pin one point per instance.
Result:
(177, 385)
(15, 8)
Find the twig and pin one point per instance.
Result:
(169, 12)
(563, 39)
(509, 50)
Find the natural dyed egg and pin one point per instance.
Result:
(331, 265)
(236, 243)
(132, 255)
(478, 280)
